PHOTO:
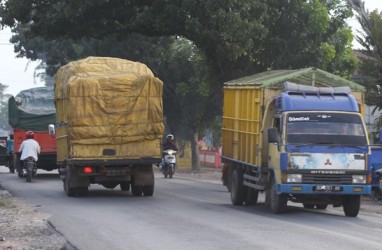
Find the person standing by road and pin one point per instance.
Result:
(10, 154)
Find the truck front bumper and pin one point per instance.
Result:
(324, 189)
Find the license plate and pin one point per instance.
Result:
(113, 172)
(328, 188)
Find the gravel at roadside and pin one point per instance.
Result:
(23, 228)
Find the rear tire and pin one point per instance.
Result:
(136, 190)
(68, 190)
(252, 196)
(308, 206)
(238, 191)
(351, 205)
(148, 190)
(125, 186)
(321, 206)
(82, 191)
(29, 175)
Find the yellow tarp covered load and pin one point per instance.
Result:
(108, 108)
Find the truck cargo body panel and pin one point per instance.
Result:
(112, 162)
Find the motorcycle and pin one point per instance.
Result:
(169, 163)
(29, 169)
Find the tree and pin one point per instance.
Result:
(227, 39)
(238, 37)
(189, 100)
(4, 108)
(371, 64)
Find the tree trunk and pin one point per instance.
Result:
(195, 149)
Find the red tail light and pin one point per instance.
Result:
(88, 170)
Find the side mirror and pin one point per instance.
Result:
(272, 135)
(52, 130)
(380, 135)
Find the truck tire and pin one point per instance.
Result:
(136, 190)
(252, 196)
(351, 205)
(238, 190)
(125, 186)
(148, 190)
(308, 206)
(321, 206)
(277, 203)
(82, 191)
(68, 190)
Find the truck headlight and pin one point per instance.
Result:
(294, 178)
(359, 179)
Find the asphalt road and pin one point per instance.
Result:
(189, 213)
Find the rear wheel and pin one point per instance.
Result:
(125, 186)
(148, 190)
(82, 191)
(308, 206)
(351, 205)
(277, 202)
(238, 191)
(67, 188)
(252, 196)
(29, 175)
(321, 206)
(136, 190)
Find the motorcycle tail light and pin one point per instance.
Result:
(88, 170)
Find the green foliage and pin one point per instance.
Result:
(371, 61)
(193, 46)
(237, 37)
(4, 108)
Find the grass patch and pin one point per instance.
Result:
(7, 203)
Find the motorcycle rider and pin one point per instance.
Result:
(29, 147)
(169, 144)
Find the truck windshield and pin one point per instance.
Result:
(325, 128)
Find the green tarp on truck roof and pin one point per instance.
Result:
(32, 109)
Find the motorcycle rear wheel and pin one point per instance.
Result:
(29, 175)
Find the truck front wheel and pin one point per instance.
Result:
(238, 193)
(277, 202)
(351, 205)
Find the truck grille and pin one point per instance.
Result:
(326, 179)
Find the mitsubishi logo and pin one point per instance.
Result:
(328, 162)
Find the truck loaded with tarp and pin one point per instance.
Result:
(109, 125)
(33, 110)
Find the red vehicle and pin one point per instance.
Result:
(33, 110)
(48, 156)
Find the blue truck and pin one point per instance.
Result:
(297, 143)
(376, 166)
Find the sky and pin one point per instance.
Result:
(18, 73)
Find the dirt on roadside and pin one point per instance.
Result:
(23, 228)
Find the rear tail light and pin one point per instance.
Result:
(88, 170)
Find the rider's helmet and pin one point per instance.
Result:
(29, 135)
(170, 138)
